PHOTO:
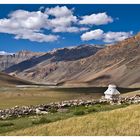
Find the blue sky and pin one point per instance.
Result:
(45, 27)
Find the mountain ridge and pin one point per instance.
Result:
(49, 62)
(85, 65)
(15, 58)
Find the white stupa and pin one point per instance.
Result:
(112, 92)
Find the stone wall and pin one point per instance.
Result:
(60, 106)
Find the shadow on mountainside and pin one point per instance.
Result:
(60, 55)
(27, 63)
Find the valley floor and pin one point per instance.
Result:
(13, 96)
(92, 120)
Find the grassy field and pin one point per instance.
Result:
(120, 122)
(38, 125)
(137, 92)
(15, 124)
(10, 97)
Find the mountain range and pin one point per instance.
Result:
(84, 65)
(9, 59)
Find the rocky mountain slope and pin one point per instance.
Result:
(54, 66)
(118, 64)
(12, 59)
(86, 65)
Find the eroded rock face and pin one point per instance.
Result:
(54, 66)
(118, 64)
(12, 59)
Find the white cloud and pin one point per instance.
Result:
(95, 34)
(29, 20)
(109, 37)
(96, 19)
(58, 11)
(32, 25)
(69, 29)
(26, 25)
(29, 25)
(63, 19)
(35, 36)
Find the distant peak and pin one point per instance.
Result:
(24, 51)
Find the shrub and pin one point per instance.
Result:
(53, 110)
(98, 105)
(41, 120)
(4, 124)
(79, 112)
(92, 110)
(57, 119)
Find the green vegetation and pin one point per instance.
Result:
(80, 112)
(11, 96)
(29, 121)
(119, 122)
(4, 124)
(41, 121)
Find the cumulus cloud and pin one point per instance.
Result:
(35, 36)
(63, 19)
(96, 19)
(95, 34)
(109, 37)
(30, 24)
(58, 11)
(33, 25)
(26, 25)
(26, 19)
(69, 29)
